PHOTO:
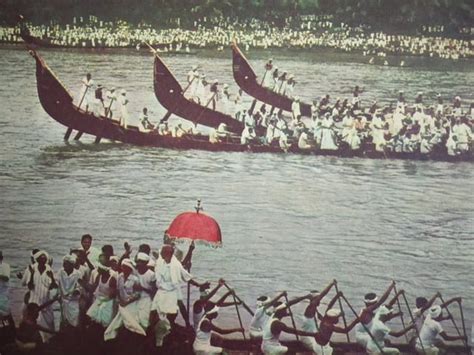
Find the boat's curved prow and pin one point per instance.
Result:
(170, 95)
(246, 78)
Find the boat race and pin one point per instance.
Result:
(237, 177)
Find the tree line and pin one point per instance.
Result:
(377, 13)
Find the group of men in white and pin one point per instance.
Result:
(101, 102)
(145, 292)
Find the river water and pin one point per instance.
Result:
(288, 222)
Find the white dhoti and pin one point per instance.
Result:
(273, 348)
(206, 349)
(70, 311)
(311, 344)
(144, 308)
(328, 139)
(46, 320)
(102, 311)
(126, 316)
(362, 338)
(256, 333)
(165, 302)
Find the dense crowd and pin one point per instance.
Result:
(304, 32)
(105, 297)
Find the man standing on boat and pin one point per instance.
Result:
(268, 80)
(193, 78)
(123, 102)
(112, 104)
(86, 93)
(170, 274)
(296, 108)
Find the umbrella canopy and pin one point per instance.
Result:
(196, 226)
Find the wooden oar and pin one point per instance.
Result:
(363, 325)
(247, 308)
(343, 313)
(291, 316)
(79, 134)
(453, 321)
(204, 107)
(469, 351)
(238, 314)
(400, 310)
(413, 321)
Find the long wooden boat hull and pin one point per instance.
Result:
(170, 95)
(58, 103)
(246, 78)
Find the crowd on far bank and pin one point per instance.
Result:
(304, 32)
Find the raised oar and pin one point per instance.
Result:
(254, 102)
(413, 321)
(169, 113)
(453, 321)
(469, 351)
(79, 134)
(238, 313)
(363, 325)
(247, 308)
(291, 316)
(400, 310)
(278, 92)
(342, 310)
(204, 107)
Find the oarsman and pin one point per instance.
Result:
(112, 104)
(290, 86)
(205, 301)
(40, 282)
(422, 305)
(457, 109)
(268, 81)
(378, 132)
(419, 100)
(4, 289)
(163, 129)
(70, 292)
(238, 105)
(128, 296)
(202, 91)
(86, 93)
(304, 141)
(439, 106)
(274, 327)
(29, 338)
(202, 343)
(463, 133)
(283, 140)
(356, 105)
(170, 274)
(275, 76)
(324, 105)
(123, 102)
(272, 132)
(92, 253)
(193, 130)
(310, 323)
(225, 99)
(431, 331)
(262, 314)
(214, 94)
(102, 310)
(99, 106)
(401, 103)
(192, 78)
(296, 108)
(314, 110)
(379, 331)
(146, 124)
(328, 136)
(281, 84)
(218, 135)
(248, 136)
(178, 131)
(147, 289)
(367, 314)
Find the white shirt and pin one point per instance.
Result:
(429, 332)
(379, 331)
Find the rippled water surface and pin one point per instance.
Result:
(288, 222)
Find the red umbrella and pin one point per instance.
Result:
(196, 226)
